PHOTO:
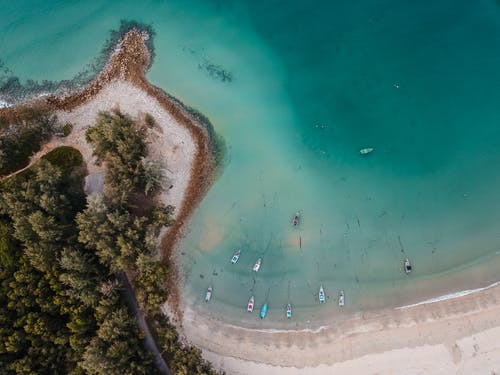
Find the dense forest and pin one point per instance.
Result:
(22, 135)
(63, 255)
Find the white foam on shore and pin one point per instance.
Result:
(4, 104)
(449, 296)
(272, 330)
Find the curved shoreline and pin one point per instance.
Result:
(347, 343)
(129, 62)
(449, 296)
(444, 322)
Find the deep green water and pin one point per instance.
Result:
(308, 85)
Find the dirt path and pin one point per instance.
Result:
(129, 294)
(32, 161)
(126, 70)
(149, 342)
(45, 149)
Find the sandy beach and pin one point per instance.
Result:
(169, 142)
(179, 141)
(452, 336)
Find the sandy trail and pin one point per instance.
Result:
(456, 336)
(180, 141)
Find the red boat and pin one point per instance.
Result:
(250, 304)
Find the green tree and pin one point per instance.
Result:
(8, 249)
(23, 135)
(152, 174)
(36, 309)
(61, 306)
(116, 349)
(82, 273)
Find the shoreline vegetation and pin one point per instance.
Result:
(119, 226)
(129, 61)
(62, 307)
(13, 91)
(443, 337)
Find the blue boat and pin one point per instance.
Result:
(235, 257)
(263, 311)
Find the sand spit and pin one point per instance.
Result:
(122, 84)
(169, 142)
(180, 140)
(452, 336)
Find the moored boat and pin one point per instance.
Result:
(208, 296)
(257, 264)
(407, 266)
(289, 311)
(263, 311)
(321, 295)
(250, 304)
(366, 150)
(296, 219)
(235, 257)
(341, 298)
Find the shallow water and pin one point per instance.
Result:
(296, 90)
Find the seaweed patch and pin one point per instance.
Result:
(216, 71)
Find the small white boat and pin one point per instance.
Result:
(367, 150)
(341, 298)
(289, 311)
(296, 219)
(235, 257)
(407, 266)
(257, 264)
(250, 304)
(209, 294)
(321, 295)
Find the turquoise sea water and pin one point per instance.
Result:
(296, 89)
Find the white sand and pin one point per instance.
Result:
(471, 355)
(454, 336)
(170, 143)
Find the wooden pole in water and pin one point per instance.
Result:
(300, 242)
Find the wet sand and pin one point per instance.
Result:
(457, 335)
(181, 139)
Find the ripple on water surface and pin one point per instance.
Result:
(296, 91)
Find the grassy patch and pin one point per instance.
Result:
(65, 157)
(22, 135)
(66, 129)
(149, 120)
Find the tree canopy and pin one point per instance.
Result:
(51, 284)
(62, 308)
(22, 136)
